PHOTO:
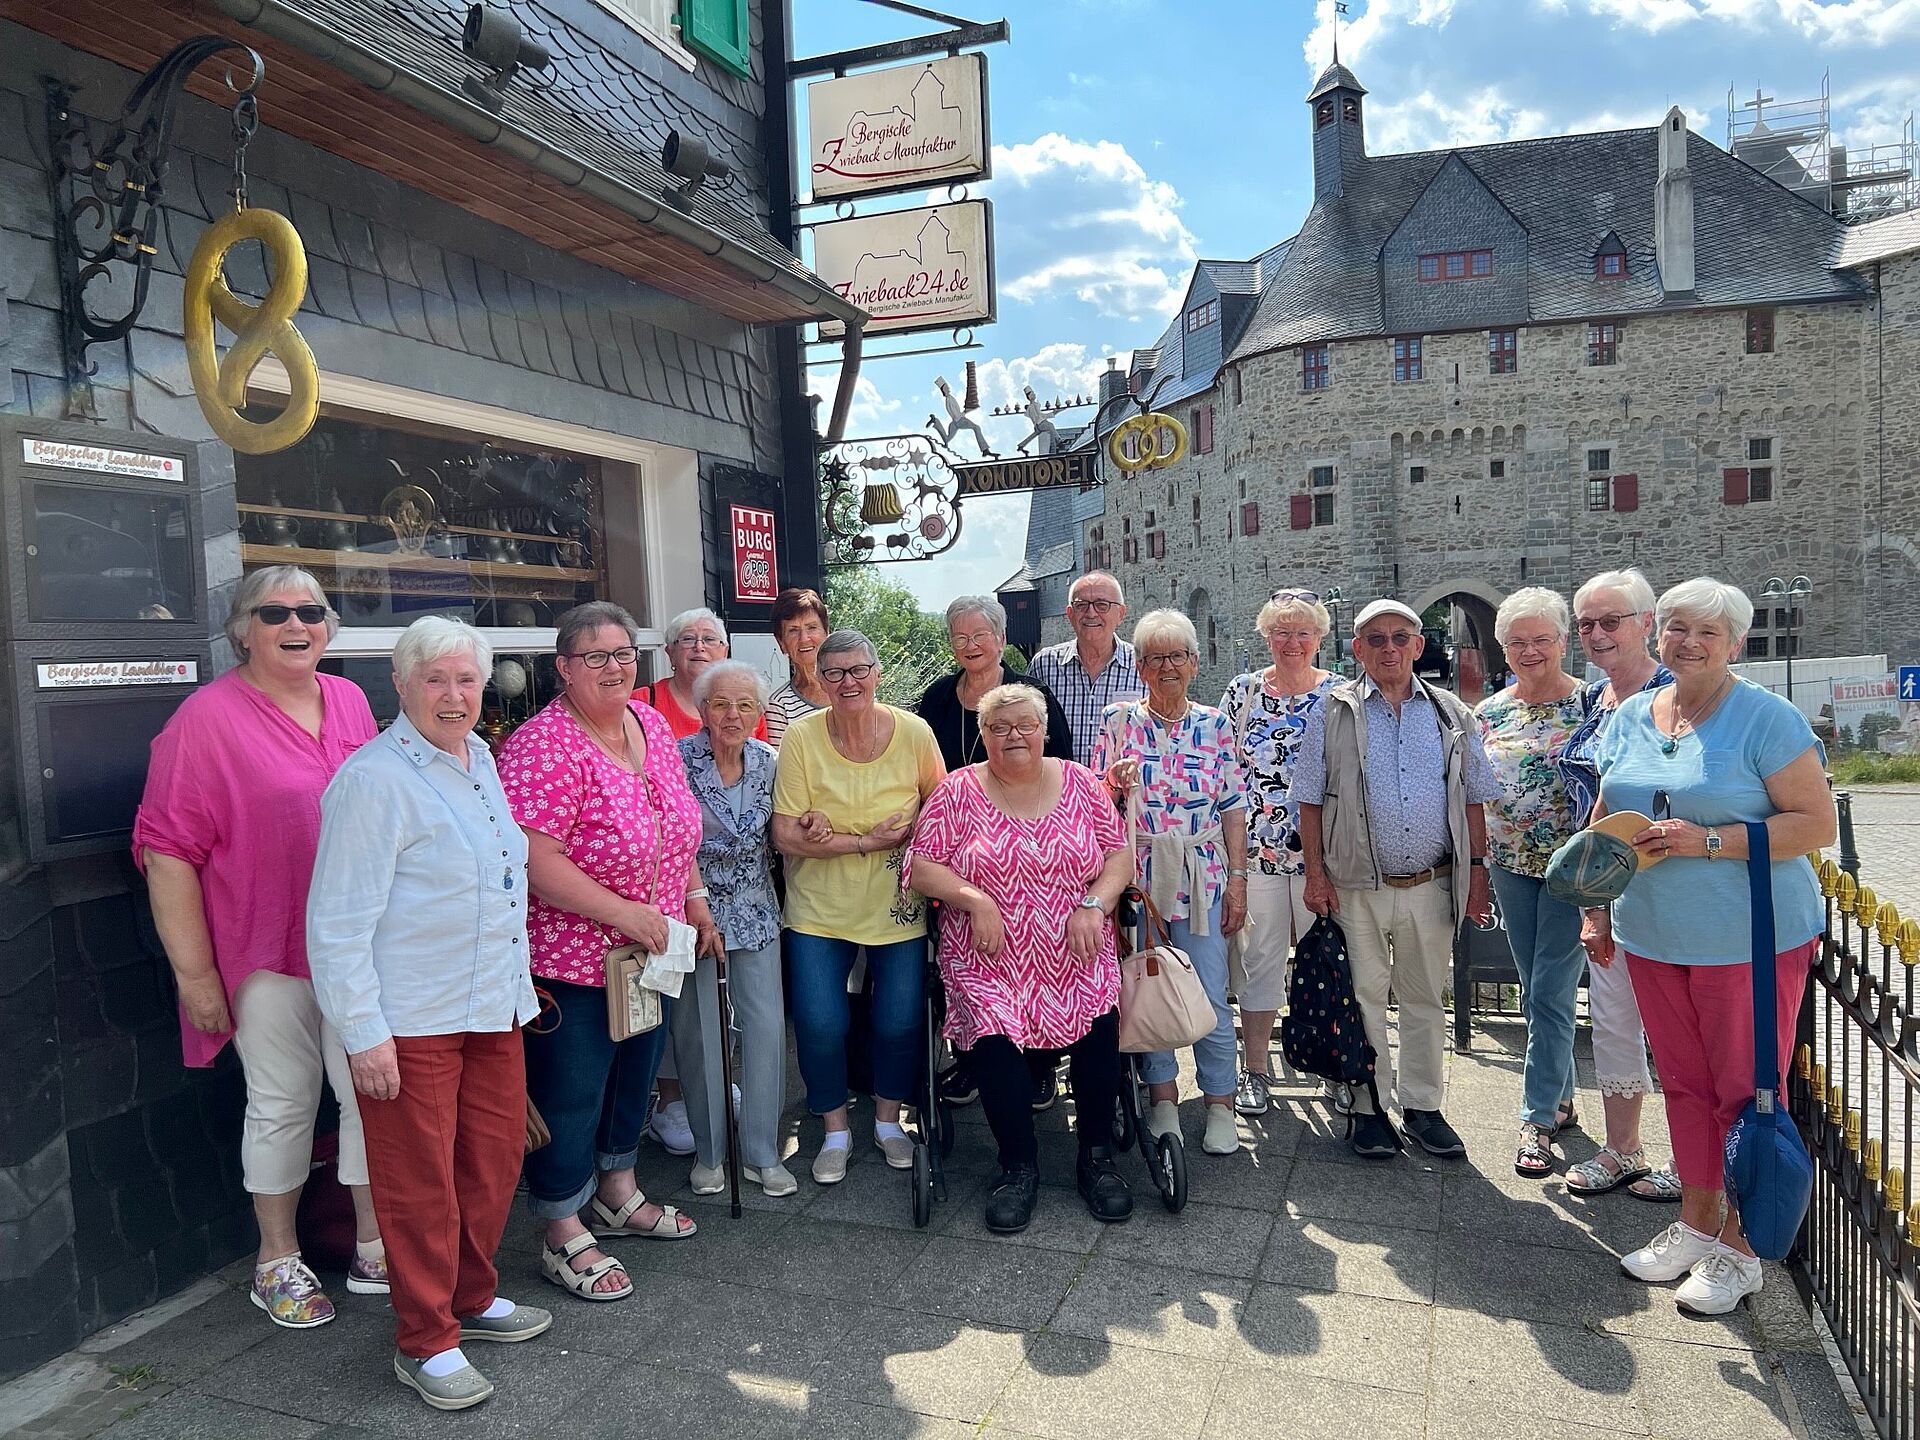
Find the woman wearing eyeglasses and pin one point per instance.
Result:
(1268, 710)
(597, 784)
(1178, 764)
(695, 640)
(1613, 613)
(851, 781)
(1027, 856)
(226, 835)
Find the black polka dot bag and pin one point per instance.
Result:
(1322, 1033)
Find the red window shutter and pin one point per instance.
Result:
(1204, 442)
(1157, 545)
(1130, 549)
(1626, 492)
(1250, 518)
(1300, 512)
(1733, 487)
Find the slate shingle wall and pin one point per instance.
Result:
(1456, 213)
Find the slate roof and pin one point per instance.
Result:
(1754, 241)
(1879, 240)
(1335, 77)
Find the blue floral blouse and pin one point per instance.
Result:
(736, 856)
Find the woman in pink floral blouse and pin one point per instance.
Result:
(596, 781)
(1027, 855)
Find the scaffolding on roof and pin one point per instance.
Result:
(1791, 142)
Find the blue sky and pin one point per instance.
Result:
(1132, 137)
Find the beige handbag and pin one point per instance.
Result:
(632, 1008)
(1163, 1004)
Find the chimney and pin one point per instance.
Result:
(1112, 381)
(1673, 208)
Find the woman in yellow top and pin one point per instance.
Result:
(850, 783)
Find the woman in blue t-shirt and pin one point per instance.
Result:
(1702, 757)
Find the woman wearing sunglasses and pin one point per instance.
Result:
(1613, 615)
(851, 780)
(1268, 710)
(597, 785)
(226, 835)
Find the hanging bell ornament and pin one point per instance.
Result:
(880, 503)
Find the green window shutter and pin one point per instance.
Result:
(718, 29)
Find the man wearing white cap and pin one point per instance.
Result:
(1392, 782)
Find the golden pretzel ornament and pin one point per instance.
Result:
(1158, 440)
(220, 383)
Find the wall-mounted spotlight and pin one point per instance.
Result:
(693, 162)
(492, 36)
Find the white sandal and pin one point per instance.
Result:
(667, 1227)
(557, 1266)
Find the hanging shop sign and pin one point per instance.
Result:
(756, 576)
(1151, 441)
(1041, 472)
(901, 128)
(891, 497)
(925, 269)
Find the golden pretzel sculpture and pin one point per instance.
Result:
(220, 384)
(1146, 431)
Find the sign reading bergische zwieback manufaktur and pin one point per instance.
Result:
(900, 128)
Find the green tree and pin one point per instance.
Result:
(1873, 725)
(912, 644)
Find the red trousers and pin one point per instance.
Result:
(1699, 1020)
(443, 1160)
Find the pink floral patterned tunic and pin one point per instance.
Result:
(613, 824)
(1033, 992)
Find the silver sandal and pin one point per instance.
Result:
(1591, 1177)
(1665, 1187)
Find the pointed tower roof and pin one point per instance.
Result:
(1335, 77)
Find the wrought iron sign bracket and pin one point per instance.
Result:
(106, 193)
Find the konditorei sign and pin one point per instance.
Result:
(1040, 472)
(100, 459)
(925, 269)
(902, 128)
(756, 578)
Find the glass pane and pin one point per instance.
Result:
(95, 753)
(102, 554)
(520, 685)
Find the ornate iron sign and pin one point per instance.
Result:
(893, 497)
(1039, 472)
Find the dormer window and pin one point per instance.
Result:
(1323, 114)
(1610, 260)
(1202, 316)
(1456, 265)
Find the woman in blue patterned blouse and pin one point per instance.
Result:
(731, 774)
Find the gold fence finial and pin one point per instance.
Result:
(1844, 890)
(1907, 940)
(1853, 1132)
(1895, 1186)
(1870, 1160)
(1836, 1104)
(1886, 921)
(1865, 905)
(1803, 1061)
(1829, 874)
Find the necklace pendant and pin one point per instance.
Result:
(1670, 744)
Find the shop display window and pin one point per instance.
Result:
(99, 553)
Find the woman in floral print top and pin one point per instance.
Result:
(1524, 728)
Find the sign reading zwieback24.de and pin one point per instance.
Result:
(924, 269)
(900, 128)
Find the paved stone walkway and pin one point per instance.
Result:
(1304, 1293)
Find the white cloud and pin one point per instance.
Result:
(1083, 220)
(1056, 372)
(870, 414)
(1426, 121)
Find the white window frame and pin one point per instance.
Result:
(656, 22)
(1771, 464)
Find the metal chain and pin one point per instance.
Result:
(246, 120)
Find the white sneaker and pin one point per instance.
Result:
(1719, 1283)
(1669, 1255)
(670, 1127)
(1223, 1135)
(708, 1179)
(775, 1180)
(1163, 1118)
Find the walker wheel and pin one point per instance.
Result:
(1122, 1126)
(1170, 1174)
(922, 1187)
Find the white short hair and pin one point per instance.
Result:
(1005, 697)
(434, 637)
(1164, 625)
(687, 619)
(1628, 583)
(1531, 602)
(986, 605)
(1705, 598)
(1276, 613)
(721, 671)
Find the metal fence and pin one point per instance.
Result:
(1853, 1093)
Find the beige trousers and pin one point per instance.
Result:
(1400, 943)
(285, 1046)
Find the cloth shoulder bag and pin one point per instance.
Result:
(1163, 1003)
(1768, 1171)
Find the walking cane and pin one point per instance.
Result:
(726, 1088)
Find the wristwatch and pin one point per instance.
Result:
(1713, 843)
(1479, 860)
(1091, 901)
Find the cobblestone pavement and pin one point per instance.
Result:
(1303, 1293)
(1886, 829)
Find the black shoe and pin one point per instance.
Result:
(1046, 1090)
(1372, 1136)
(1434, 1135)
(1106, 1194)
(957, 1086)
(1010, 1203)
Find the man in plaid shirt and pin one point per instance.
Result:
(1095, 668)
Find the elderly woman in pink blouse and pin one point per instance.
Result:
(596, 782)
(226, 836)
(1027, 855)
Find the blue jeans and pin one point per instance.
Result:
(1544, 935)
(1213, 1055)
(817, 971)
(591, 1092)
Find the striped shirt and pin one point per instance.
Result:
(1085, 697)
(785, 706)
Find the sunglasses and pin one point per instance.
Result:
(597, 659)
(1309, 597)
(280, 614)
(833, 675)
(1399, 639)
(1608, 623)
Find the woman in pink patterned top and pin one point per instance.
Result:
(226, 836)
(1027, 855)
(596, 782)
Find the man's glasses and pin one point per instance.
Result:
(1093, 607)
(1306, 597)
(1172, 657)
(834, 674)
(280, 614)
(597, 659)
(734, 707)
(1001, 729)
(1399, 639)
(1608, 623)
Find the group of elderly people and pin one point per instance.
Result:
(430, 929)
